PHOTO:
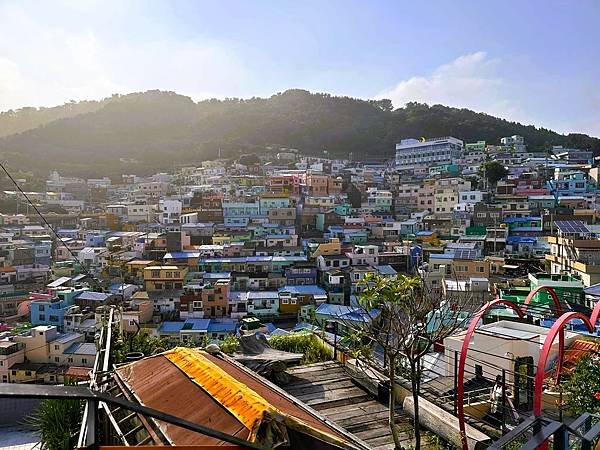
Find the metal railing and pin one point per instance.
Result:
(94, 398)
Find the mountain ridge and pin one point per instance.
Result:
(145, 131)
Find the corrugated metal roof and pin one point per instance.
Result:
(217, 393)
(81, 348)
(243, 403)
(59, 282)
(159, 384)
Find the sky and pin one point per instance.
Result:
(535, 61)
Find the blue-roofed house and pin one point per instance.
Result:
(291, 298)
(387, 271)
(263, 303)
(197, 331)
(220, 329)
(190, 331)
(90, 299)
(170, 330)
(123, 289)
(52, 311)
(346, 316)
(189, 259)
(79, 354)
(527, 245)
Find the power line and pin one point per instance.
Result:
(56, 236)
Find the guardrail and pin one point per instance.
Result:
(88, 429)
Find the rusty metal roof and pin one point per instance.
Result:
(156, 382)
(217, 393)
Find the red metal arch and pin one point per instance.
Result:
(550, 291)
(460, 378)
(558, 312)
(557, 328)
(595, 314)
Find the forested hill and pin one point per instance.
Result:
(148, 131)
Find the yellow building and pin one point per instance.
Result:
(136, 267)
(38, 373)
(158, 278)
(333, 247)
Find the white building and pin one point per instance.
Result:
(514, 141)
(93, 257)
(411, 153)
(470, 197)
(501, 345)
(169, 211)
(141, 213)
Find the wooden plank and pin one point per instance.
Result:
(303, 389)
(316, 404)
(330, 389)
(366, 410)
(370, 405)
(329, 372)
(374, 433)
(332, 394)
(386, 440)
(380, 421)
(390, 446)
(315, 367)
(360, 419)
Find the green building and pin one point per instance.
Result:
(569, 290)
(473, 147)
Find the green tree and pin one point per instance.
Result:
(142, 342)
(583, 387)
(405, 319)
(249, 159)
(493, 171)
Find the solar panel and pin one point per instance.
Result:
(465, 253)
(572, 226)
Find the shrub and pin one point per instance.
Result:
(310, 345)
(583, 387)
(58, 421)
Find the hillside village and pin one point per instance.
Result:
(282, 244)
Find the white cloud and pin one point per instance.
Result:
(471, 81)
(41, 65)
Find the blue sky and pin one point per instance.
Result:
(533, 61)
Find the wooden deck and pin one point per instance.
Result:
(330, 390)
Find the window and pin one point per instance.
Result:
(42, 317)
(28, 373)
(155, 273)
(83, 360)
(70, 360)
(56, 359)
(285, 301)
